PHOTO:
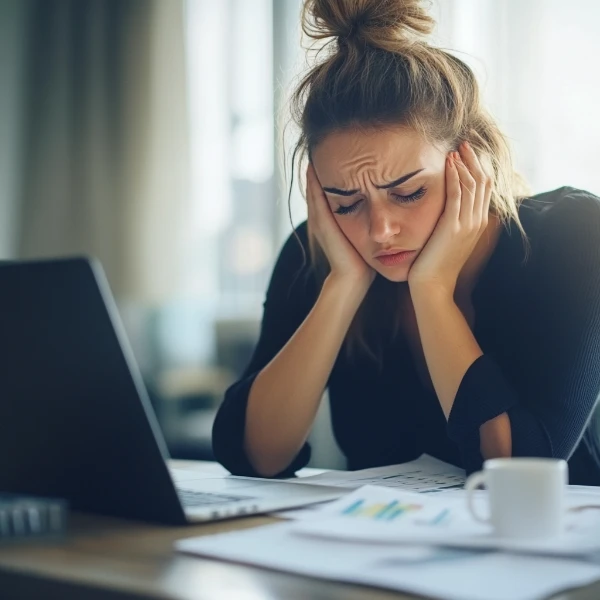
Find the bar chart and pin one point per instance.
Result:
(380, 511)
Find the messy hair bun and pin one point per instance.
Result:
(386, 24)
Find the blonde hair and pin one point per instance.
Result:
(376, 69)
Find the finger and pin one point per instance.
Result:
(473, 164)
(310, 180)
(485, 209)
(309, 195)
(480, 176)
(313, 188)
(453, 192)
(468, 191)
(318, 201)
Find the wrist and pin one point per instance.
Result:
(351, 288)
(431, 291)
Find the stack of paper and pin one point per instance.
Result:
(450, 574)
(423, 543)
(383, 516)
(425, 475)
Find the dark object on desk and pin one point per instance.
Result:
(75, 419)
(31, 517)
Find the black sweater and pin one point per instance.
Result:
(537, 323)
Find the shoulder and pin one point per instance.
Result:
(293, 274)
(294, 256)
(563, 228)
(565, 216)
(563, 205)
(296, 244)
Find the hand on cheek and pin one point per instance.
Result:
(344, 261)
(465, 217)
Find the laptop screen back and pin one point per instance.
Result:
(75, 420)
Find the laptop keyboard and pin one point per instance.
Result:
(190, 498)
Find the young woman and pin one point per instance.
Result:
(445, 310)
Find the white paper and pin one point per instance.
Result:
(448, 574)
(386, 516)
(190, 470)
(425, 474)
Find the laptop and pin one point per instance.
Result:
(75, 418)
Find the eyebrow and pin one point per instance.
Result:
(387, 186)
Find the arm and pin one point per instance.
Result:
(286, 394)
(449, 346)
(547, 414)
(290, 296)
(448, 343)
(451, 350)
(265, 419)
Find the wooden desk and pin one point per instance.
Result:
(106, 558)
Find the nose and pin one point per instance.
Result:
(383, 224)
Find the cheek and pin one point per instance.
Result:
(355, 230)
(430, 214)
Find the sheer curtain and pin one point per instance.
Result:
(536, 63)
(230, 74)
(229, 228)
(102, 134)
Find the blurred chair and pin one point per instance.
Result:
(190, 395)
(235, 343)
(189, 401)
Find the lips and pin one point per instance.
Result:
(391, 251)
(395, 258)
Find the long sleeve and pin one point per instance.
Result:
(557, 338)
(289, 299)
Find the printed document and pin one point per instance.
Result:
(384, 516)
(447, 573)
(425, 474)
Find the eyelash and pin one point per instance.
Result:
(346, 210)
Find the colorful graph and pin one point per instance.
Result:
(380, 511)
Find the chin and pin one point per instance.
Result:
(395, 275)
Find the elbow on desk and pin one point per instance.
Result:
(238, 461)
(267, 466)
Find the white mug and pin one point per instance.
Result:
(526, 496)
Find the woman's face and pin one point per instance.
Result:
(386, 189)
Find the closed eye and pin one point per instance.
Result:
(346, 210)
(411, 197)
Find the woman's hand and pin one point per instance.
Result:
(345, 262)
(465, 218)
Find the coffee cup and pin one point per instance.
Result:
(526, 496)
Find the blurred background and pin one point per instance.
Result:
(148, 133)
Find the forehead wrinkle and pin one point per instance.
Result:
(365, 172)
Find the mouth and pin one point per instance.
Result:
(395, 257)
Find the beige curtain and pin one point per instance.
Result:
(104, 166)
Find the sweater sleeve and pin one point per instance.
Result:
(549, 415)
(288, 301)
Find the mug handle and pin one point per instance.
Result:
(474, 481)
